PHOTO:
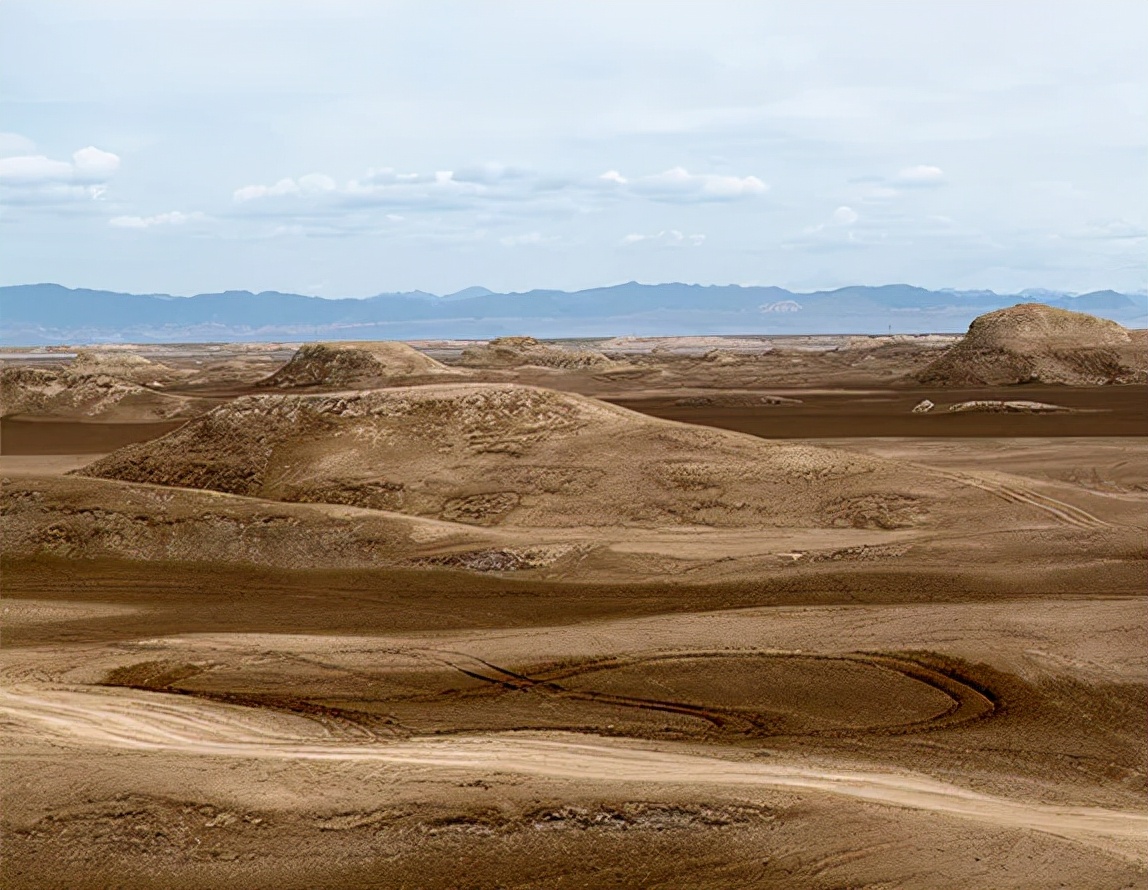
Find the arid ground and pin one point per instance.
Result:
(681, 613)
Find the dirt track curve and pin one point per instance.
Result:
(156, 722)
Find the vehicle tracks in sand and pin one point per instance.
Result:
(548, 685)
(955, 698)
(966, 701)
(1015, 492)
(133, 720)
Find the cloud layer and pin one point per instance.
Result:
(678, 185)
(491, 187)
(171, 218)
(379, 147)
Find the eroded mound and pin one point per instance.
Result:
(489, 454)
(516, 352)
(122, 365)
(77, 518)
(1034, 343)
(353, 364)
(63, 393)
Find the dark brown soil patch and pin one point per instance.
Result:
(1104, 411)
(75, 437)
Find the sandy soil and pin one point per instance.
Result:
(202, 689)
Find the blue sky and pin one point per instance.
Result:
(349, 148)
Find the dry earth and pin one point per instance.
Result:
(496, 635)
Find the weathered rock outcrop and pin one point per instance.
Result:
(1033, 343)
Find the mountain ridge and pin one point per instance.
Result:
(46, 313)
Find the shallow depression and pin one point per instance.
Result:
(805, 693)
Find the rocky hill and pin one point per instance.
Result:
(64, 393)
(517, 352)
(502, 454)
(353, 364)
(1034, 343)
(123, 366)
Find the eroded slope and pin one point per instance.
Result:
(63, 393)
(516, 352)
(1033, 343)
(353, 364)
(492, 454)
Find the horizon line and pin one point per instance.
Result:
(492, 292)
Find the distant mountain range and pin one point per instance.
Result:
(39, 314)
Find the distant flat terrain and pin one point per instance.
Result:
(1098, 411)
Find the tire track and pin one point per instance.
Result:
(1016, 493)
(721, 718)
(147, 722)
(966, 702)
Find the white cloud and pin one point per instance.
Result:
(844, 216)
(88, 165)
(33, 169)
(679, 185)
(35, 178)
(888, 189)
(495, 193)
(920, 175)
(93, 165)
(489, 173)
(309, 185)
(667, 238)
(172, 218)
(382, 187)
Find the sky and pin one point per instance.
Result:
(348, 148)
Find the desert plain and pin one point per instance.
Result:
(641, 612)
